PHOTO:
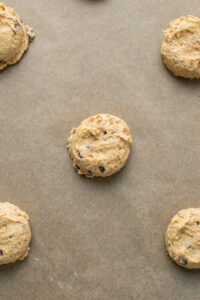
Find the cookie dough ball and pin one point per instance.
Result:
(100, 146)
(14, 36)
(181, 47)
(183, 238)
(15, 234)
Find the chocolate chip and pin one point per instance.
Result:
(102, 169)
(198, 224)
(17, 25)
(183, 261)
(10, 237)
(77, 167)
(80, 155)
(1, 253)
(105, 132)
(89, 173)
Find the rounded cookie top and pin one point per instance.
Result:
(181, 47)
(15, 234)
(14, 36)
(183, 238)
(100, 146)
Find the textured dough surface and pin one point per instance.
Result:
(14, 36)
(183, 238)
(100, 146)
(15, 234)
(181, 47)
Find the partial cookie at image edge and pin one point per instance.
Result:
(14, 36)
(183, 238)
(15, 233)
(181, 48)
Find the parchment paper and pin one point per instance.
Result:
(100, 239)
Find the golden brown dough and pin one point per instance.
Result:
(14, 36)
(181, 47)
(15, 233)
(183, 238)
(100, 146)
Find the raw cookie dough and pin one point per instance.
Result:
(181, 47)
(15, 233)
(14, 36)
(183, 238)
(100, 146)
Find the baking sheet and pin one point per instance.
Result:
(98, 239)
